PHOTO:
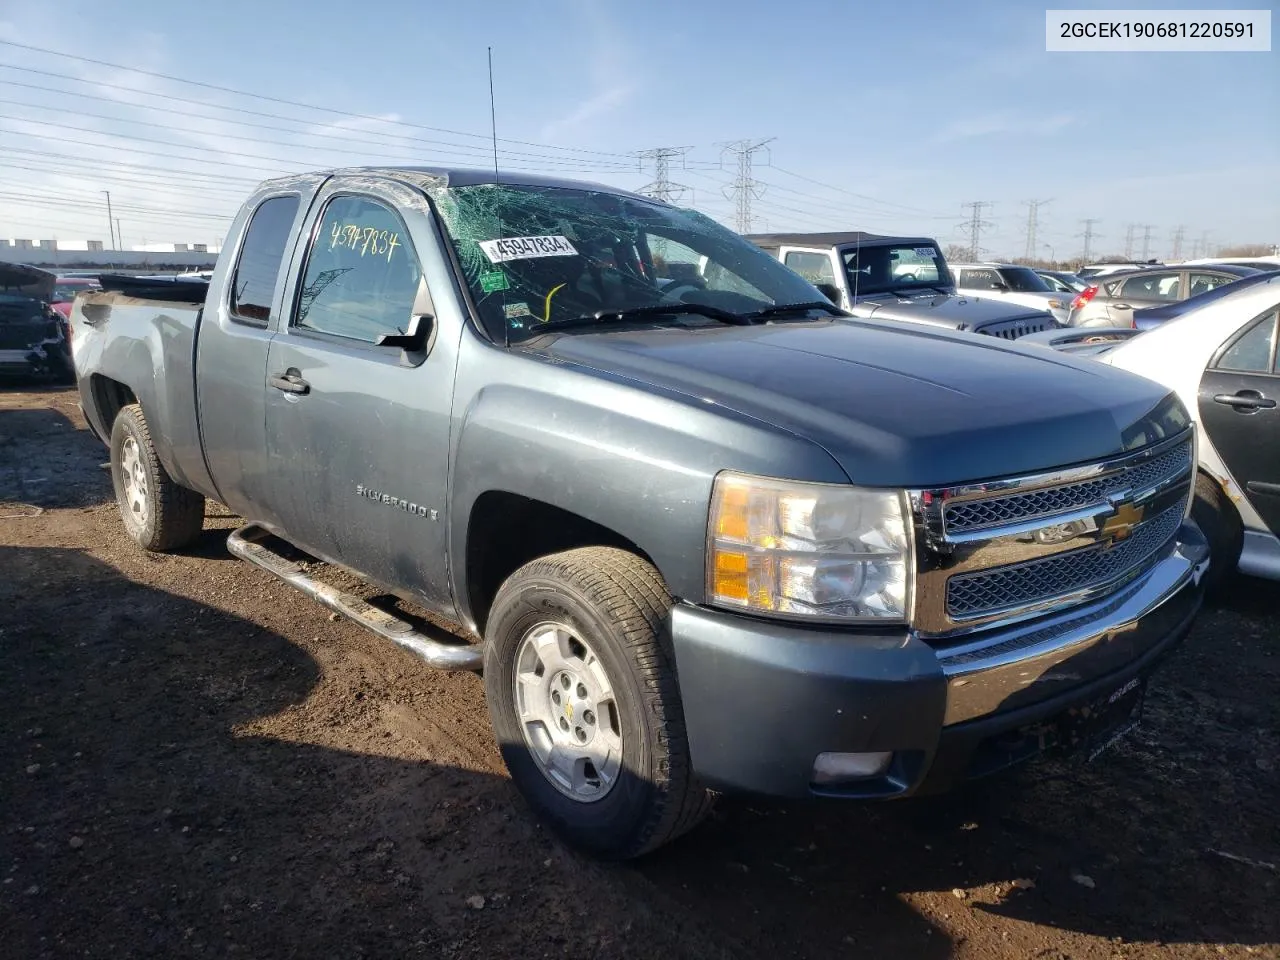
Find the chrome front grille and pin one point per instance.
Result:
(972, 594)
(1012, 549)
(978, 514)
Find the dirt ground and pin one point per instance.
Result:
(196, 761)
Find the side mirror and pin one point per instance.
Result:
(830, 291)
(1002, 287)
(415, 339)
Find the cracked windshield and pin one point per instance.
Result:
(537, 257)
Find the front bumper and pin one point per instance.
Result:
(763, 698)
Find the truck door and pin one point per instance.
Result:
(231, 360)
(357, 432)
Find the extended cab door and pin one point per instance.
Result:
(1240, 409)
(231, 363)
(357, 432)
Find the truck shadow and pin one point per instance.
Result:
(1137, 846)
(181, 782)
(47, 461)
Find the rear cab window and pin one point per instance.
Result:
(253, 285)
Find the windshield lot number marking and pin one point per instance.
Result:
(526, 248)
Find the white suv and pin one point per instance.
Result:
(1011, 282)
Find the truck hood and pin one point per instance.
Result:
(894, 406)
(952, 310)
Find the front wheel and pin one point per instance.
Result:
(584, 701)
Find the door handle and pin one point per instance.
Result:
(290, 382)
(1245, 400)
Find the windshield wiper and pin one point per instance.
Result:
(782, 308)
(635, 313)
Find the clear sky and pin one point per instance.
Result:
(901, 112)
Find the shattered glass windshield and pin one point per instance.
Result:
(539, 255)
(881, 268)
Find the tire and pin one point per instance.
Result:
(1218, 520)
(612, 607)
(158, 514)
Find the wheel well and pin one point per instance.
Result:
(110, 397)
(506, 531)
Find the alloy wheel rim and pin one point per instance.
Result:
(568, 713)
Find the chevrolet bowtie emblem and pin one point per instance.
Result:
(1120, 524)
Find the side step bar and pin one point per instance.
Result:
(244, 543)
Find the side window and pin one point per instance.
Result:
(362, 273)
(814, 267)
(1155, 286)
(978, 279)
(1254, 351)
(253, 285)
(1204, 282)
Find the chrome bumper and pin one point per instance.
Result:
(1019, 666)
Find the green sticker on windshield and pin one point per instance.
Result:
(493, 281)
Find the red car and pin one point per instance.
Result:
(64, 292)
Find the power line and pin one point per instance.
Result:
(1033, 223)
(975, 225)
(294, 103)
(661, 187)
(745, 187)
(1089, 236)
(860, 196)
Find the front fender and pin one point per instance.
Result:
(625, 456)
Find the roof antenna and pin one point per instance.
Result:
(493, 127)
(493, 118)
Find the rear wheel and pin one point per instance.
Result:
(158, 514)
(1218, 520)
(583, 696)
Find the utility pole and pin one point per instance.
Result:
(975, 225)
(661, 187)
(1128, 241)
(1146, 241)
(1177, 243)
(745, 187)
(119, 234)
(111, 223)
(1033, 223)
(1089, 236)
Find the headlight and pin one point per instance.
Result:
(808, 549)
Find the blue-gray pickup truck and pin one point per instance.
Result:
(701, 530)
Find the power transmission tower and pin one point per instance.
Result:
(1033, 223)
(1204, 244)
(745, 187)
(975, 225)
(1089, 236)
(1146, 241)
(661, 187)
(1128, 241)
(1177, 242)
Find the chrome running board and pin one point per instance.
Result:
(245, 543)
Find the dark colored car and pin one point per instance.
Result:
(33, 336)
(1149, 317)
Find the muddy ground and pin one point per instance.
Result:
(197, 762)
